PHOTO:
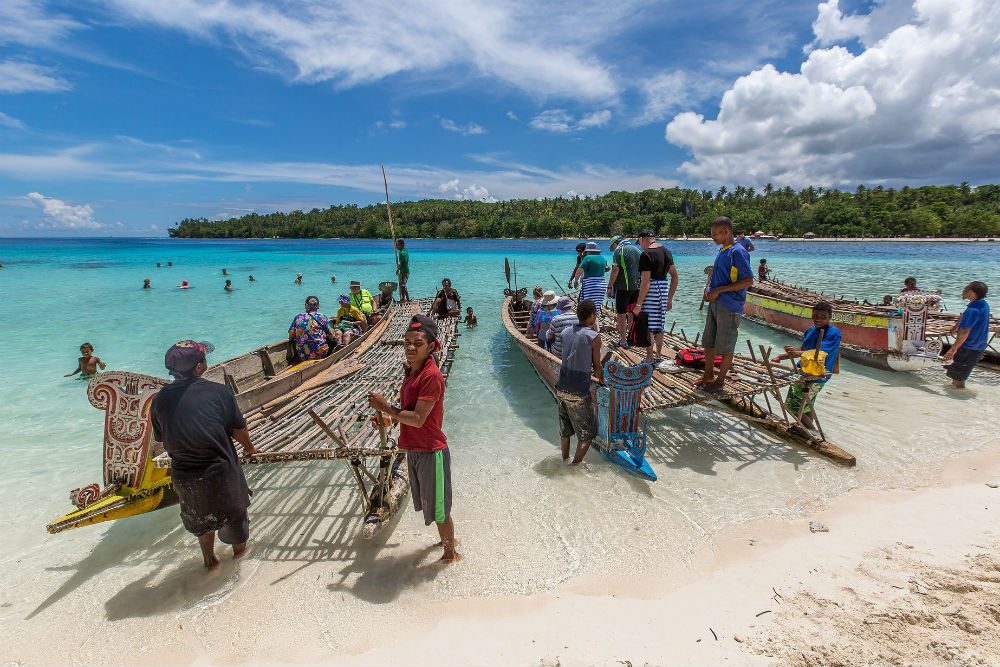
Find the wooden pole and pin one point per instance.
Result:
(388, 210)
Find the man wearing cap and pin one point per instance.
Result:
(197, 421)
(624, 284)
(420, 415)
(565, 318)
(348, 322)
(655, 297)
(310, 332)
(591, 278)
(362, 299)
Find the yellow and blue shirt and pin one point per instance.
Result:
(732, 265)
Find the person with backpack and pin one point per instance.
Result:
(310, 332)
(818, 359)
(656, 297)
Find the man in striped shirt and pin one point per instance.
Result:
(566, 317)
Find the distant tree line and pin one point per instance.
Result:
(948, 210)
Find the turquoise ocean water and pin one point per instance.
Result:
(501, 421)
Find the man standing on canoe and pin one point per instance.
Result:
(726, 294)
(581, 356)
(656, 298)
(624, 284)
(197, 421)
(403, 270)
(420, 415)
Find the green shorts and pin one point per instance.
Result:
(806, 392)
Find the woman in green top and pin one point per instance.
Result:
(593, 266)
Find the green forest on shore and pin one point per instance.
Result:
(948, 210)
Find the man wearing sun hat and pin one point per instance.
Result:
(420, 416)
(197, 421)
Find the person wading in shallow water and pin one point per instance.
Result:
(420, 414)
(197, 421)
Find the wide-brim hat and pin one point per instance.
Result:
(564, 303)
(387, 286)
(548, 298)
(592, 247)
(355, 283)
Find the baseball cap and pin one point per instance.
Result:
(616, 239)
(426, 325)
(580, 247)
(184, 355)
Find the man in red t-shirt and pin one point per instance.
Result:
(420, 415)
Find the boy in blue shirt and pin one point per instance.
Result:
(972, 333)
(823, 336)
(726, 294)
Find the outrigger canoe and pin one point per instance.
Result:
(907, 335)
(272, 393)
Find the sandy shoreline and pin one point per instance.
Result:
(902, 576)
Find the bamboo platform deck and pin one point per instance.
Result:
(285, 429)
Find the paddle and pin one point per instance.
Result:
(515, 275)
(506, 270)
(562, 289)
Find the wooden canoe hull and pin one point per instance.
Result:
(866, 339)
(545, 363)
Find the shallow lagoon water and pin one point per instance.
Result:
(527, 524)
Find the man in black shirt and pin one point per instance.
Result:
(197, 421)
(656, 297)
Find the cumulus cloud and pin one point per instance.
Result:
(540, 50)
(22, 77)
(512, 115)
(561, 121)
(920, 103)
(832, 26)
(464, 130)
(63, 215)
(472, 192)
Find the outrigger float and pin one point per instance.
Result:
(909, 334)
(295, 412)
(634, 387)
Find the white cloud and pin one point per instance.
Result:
(389, 125)
(450, 186)
(918, 104)
(511, 115)
(595, 119)
(63, 215)
(464, 130)
(561, 121)
(26, 22)
(22, 77)
(169, 149)
(541, 50)
(120, 164)
(10, 121)
(832, 26)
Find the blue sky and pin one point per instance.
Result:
(124, 116)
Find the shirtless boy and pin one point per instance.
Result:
(88, 363)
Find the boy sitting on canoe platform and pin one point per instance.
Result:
(819, 358)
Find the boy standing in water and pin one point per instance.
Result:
(420, 415)
(972, 333)
(581, 356)
(88, 363)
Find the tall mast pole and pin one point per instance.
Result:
(392, 230)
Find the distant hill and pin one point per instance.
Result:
(945, 210)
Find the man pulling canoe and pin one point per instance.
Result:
(197, 421)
